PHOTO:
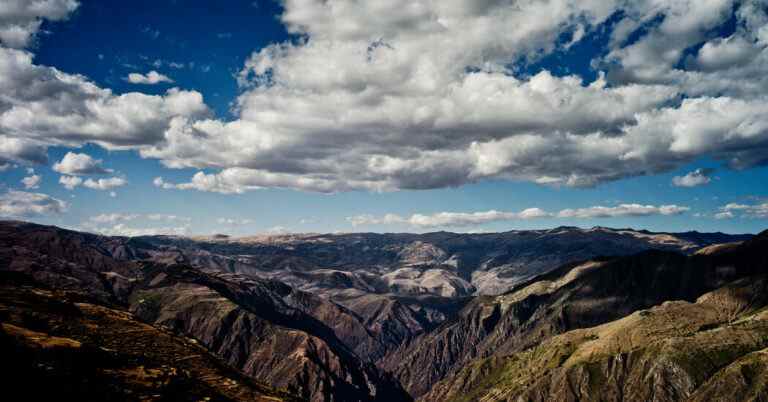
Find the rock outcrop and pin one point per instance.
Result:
(66, 345)
(515, 332)
(265, 329)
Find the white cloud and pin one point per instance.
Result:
(70, 182)
(239, 180)
(421, 97)
(470, 219)
(79, 164)
(622, 210)
(112, 218)
(387, 219)
(25, 204)
(21, 150)
(759, 211)
(125, 217)
(724, 215)
(161, 183)
(404, 94)
(698, 177)
(463, 219)
(723, 53)
(234, 222)
(151, 78)
(168, 218)
(20, 20)
(42, 106)
(31, 182)
(105, 184)
(735, 207)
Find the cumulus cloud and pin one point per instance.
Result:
(22, 150)
(698, 177)
(367, 219)
(112, 218)
(724, 215)
(79, 164)
(383, 96)
(70, 182)
(425, 98)
(471, 219)
(168, 218)
(20, 20)
(21, 204)
(463, 219)
(31, 182)
(105, 184)
(125, 217)
(234, 222)
(42, 106)
(723, 53)
(151, 78)
(240, 180)
(622, 210)
(759, 210)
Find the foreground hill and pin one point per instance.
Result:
(467, 355)
(714, 349)
(261, 328)
(63, 345)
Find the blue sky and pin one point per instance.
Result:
(349, 120)
(107, 40)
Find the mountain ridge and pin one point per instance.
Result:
(608, 291)
(338, 318)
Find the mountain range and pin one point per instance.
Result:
(559, 314)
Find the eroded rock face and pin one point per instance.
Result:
(63, 345)
(441, 264)
(574, 296)
(417, 280)
(266, 329)
(359, 317)
(677, 351)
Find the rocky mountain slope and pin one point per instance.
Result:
(403, 285)
(63, 345)
(262, 328)
(711, 349)
(493, 330)
(565, 314)
(442, 264)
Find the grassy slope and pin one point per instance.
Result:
(696, 350)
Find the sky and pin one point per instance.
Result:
(190, 117)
